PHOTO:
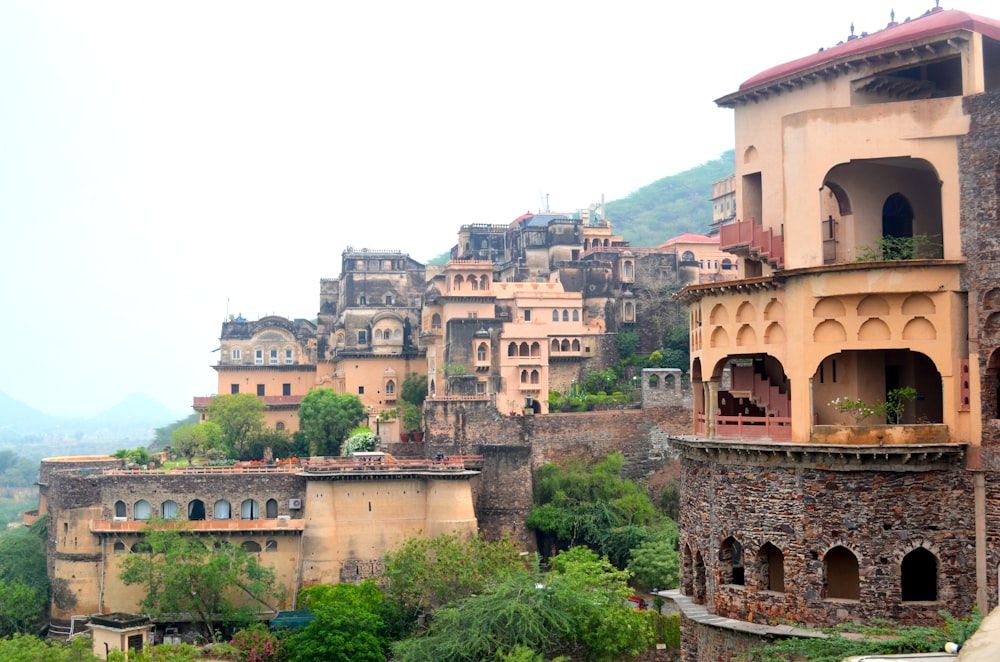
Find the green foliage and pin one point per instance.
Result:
(257, 444)
(194, 439)
(891, 410)
(17, 471)
(426, 573)
(353, 623)
(162, 653)
(581, 504)
(256, 644)
(627, 342)
(670, 206)
(577, 610)
(327, 417)
(27, 648)
(24, 582)
(138, 455)
(600, 381)
(359, 442)
(414, 389)
(889, 248)
(413, 417)
(162, 436)
(200, 577)
(439, 260)
(879, 638)
(238, 415)
(655, 562)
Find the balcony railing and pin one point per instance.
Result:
(775, 428)
(759, 241)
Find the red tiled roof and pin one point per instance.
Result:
(689, 238)
(934, 23)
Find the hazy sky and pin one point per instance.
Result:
(162, 164)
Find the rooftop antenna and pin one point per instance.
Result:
(545, 202)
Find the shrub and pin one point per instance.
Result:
(256, 644)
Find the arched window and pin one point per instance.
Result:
(362, 300)
(840, 574)
(169, 509)
(251, 546)
(512, 349)
(271, 546)
(119, 547)
(271, 509)
(772, 568)
(390, 387)
(279, 425)
(918, 576)
(458, 282)
(435, 321)
(565, 344)
(484, 282)
(627, 269)
(629, 311)
(523, 349)
(196, 509)
(142, 510)
(731, 562)
(534, 376)
(524, 376)
(378, 334)
(576, 345)
(726, 264)
(555, 346)
(555, 315)
(120, 509)
(687, 256)
(576, 315)
(565, 315)
(481, 353)
(474, 283)
(222, 509)
(536, 349)
(249, 509)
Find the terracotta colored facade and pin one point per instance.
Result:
(855, 279)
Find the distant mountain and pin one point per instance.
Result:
(138, 409)
(670, 206)
(16, 413)
(129, 423)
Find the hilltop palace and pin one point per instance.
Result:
(853, 257)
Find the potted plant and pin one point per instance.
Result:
(413, 417)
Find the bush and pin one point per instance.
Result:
(256, 644)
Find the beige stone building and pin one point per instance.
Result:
(855, 212)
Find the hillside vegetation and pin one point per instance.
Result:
(670, 206)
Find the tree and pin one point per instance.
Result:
(327, 418)
(425, 573)
(24, 583)
(210, 580)
(238, 415)
(162, 436)
(414, 389)
(576, 610)
(133, 455)
(581, 504)
(194, 439)
(353, 623)
(656, 562)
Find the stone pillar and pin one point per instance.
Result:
(711, 406)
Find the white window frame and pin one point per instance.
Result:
(236, 354)
(273, 357)
(289, 357)
(258, 357)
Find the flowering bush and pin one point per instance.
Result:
(256, 644)
(361, 442)
(891, 409)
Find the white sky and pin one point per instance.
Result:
(164, 163)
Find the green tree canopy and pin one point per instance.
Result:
(24, 583)
(414, 389)
(193, 439)
(328, 417)
(353, 623)
(208, 579)
(577, 610)
(426, 573)
(238, 415)
(590, 504)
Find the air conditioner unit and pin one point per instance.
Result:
(295, 504)
(121, 519)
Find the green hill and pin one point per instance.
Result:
(669, 206)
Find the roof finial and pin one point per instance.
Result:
(852, 28)
(892, 15)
